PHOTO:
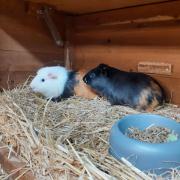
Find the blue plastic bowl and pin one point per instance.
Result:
(146, 156)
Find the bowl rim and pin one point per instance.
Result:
(139, 142)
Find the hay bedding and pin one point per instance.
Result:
(3, 175)
(66, 140)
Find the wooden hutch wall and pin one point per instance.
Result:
(120, 40)
(25, 42)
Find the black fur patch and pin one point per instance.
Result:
(124, 88)
(69, 87)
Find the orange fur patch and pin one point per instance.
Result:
(143, 97)
(153, 105)
(156, 88)
(81, 89)
(143, 103)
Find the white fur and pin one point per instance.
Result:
(50, 88)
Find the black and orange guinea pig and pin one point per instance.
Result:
(137, 90)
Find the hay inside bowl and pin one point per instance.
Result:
(153, 134)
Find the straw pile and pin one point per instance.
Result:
(3, 175)
(66, 140)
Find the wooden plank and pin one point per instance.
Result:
(169, 8)
(11, 79)
(12, 6)
(13, 164)
(137, 36)
(90, 55)
(124, 26)
(124, 46)
(26, 34)
(26, 43)
(171, 86)
(155, 68)
(16, 66)
(85, 6)
(25, 61)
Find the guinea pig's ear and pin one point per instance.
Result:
(103, 69)
(103, 66)
(52, 76)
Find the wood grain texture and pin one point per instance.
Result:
(168, 8)
(26, 43)
(155, 68)
(125, 45)
(85, 6)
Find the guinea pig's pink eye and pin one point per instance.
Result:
(43, 80)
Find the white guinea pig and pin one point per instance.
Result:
(56, 82)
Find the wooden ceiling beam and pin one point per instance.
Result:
(86, 6)
(169, 8)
